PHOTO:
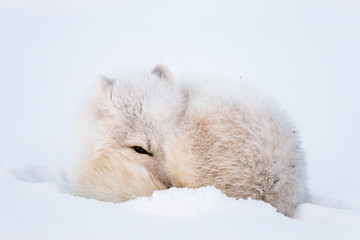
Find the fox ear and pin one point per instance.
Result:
(163, 72)
(104, 85)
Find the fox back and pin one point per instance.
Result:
(242, 145)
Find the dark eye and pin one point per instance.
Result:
(141, 150)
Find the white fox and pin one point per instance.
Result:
(149, 134)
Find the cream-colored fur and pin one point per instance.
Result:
(238, 143)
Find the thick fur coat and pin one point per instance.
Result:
(146, 134)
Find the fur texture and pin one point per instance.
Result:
(239, 144)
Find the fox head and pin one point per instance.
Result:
(130, 120)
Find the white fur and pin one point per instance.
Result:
(237, 142)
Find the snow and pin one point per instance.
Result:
(35, 204)
(304, 54)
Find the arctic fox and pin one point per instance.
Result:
(147, 134)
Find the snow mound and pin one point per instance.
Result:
(191, 203)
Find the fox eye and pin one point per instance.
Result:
(141, 150)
